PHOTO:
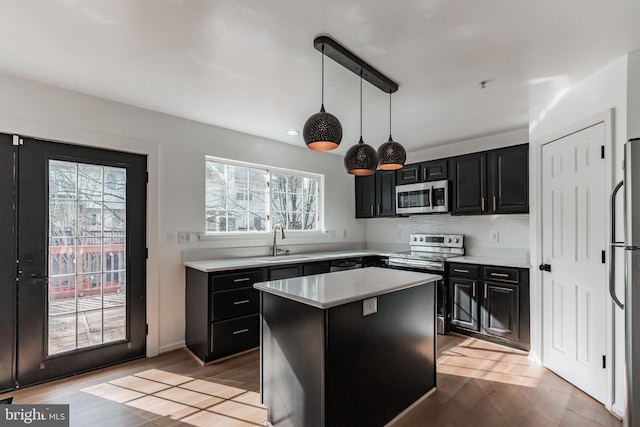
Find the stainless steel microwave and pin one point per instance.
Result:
(423, 197)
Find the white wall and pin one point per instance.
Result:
(176, 149)
(589, 99)
(513, 230)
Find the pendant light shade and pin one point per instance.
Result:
(391, 154)
(322, 131)
(361, 159)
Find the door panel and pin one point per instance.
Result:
(573, 236)
(500, 310)
(82, 259)
(7, 264)
(470, 175)
(464, 302)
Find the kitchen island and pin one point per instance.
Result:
(347, 348)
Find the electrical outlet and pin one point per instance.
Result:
(332, 234)
(184, 237)
(171, 237)
(369, 306)
(493, 235)
(344, 233)
(398, 234)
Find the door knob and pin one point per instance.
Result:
(544, 267)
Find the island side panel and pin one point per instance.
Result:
(292, 362)
(378, 365)
(196, 308)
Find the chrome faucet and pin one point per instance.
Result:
(275, 248)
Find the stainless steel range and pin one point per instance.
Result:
(429, 253)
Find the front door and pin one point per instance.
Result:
(81, 259)
(573, 238)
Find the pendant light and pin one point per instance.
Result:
(322, 131)
(361, 159)
(391, 154)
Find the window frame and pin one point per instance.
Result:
(270, 170)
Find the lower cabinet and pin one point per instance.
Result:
(490, 302)
(222, 312)
(223, 308)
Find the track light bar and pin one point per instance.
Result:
(350, 61)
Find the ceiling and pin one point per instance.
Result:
(251, 66)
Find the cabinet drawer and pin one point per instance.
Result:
(241, 279)
(237, 303)
(502, 274)
(233, 336)
(468, 271)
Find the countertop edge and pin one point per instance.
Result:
(228, 264)
(345, 300)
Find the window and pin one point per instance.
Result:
(245, 197)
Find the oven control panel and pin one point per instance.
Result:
(437, 240)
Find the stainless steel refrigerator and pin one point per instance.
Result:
(631, 303)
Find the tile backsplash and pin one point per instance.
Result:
(512, 232)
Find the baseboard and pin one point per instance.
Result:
(171, 346)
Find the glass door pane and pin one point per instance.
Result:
(86, 256)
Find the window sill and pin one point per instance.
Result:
(293, 235)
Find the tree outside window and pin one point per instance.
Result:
(242, 197)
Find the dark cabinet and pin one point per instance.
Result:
(222, 312)
(365, 196)
(509, 179)
(376, 195)
(464, 310)
(386, 193)
(469, 183)
(316, 268)
(491, 182)
(433, 170)
(500, 316)
(490, 302)
(286, 272)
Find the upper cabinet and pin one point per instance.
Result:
(509, 179)
(376, 195)
(433, 170)
(491, 182)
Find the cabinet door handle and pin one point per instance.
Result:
(459, 270)
(241, 331)
(244, 301)
(485, 291)
(482, 203)
(371, 210)
(494, 203)
(499, 275)
(424, 174)
(378, 210)
(474, 289)
(243, 279)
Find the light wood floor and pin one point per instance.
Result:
(479, 384)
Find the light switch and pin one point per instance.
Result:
(369, 306)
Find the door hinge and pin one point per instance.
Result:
(604, 258)
(17, 140)
(146, 329)
(147, 176)
(602, 151)
(604, 361)
(146, 253)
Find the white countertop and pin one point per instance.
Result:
(497, 261)
(269, 261)
(342, 287)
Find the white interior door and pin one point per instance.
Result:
(573, 237)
